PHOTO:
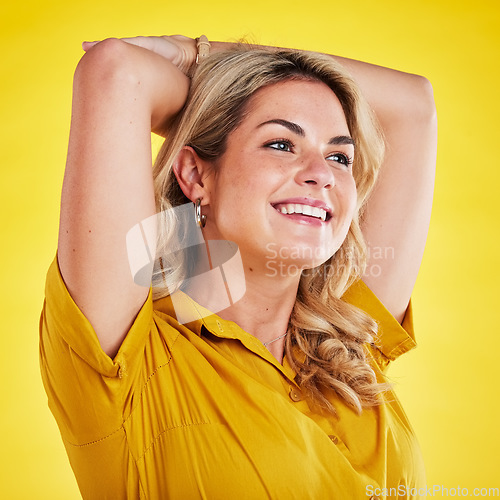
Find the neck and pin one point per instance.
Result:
(265, 307)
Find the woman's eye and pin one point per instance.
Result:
(280, 146)
(340, 158)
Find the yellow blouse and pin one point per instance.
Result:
(203, 410)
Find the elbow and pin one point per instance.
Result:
(108, 62)
(423, 103)
(409, 103)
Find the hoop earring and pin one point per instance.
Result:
(201, 220)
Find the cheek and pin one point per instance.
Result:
(349, 195)
(354, 198)
(348, 205)
(232, 199)
(249, 181)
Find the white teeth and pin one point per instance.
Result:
(307, 210)
(295, 208)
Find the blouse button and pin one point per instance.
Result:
(334, 439)
(295, 394)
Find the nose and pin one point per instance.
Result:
(316, 172)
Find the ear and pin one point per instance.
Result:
(189, 170)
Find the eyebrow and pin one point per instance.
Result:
(342, 139)
(298, 130)
(293, 127)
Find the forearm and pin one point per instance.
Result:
(392, 94)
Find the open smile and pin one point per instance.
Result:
(304, 210)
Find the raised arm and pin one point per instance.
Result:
(121, 92)
(399, 209)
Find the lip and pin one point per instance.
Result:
(305, 201)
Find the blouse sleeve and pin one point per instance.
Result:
(88, 392)
(393, 339)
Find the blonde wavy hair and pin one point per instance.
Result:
(327, 336)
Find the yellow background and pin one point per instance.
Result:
(450, 384)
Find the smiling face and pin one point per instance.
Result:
(284, 184)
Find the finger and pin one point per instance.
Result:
(88, 45)
(163, 46)
(140, 41)
(146, 42)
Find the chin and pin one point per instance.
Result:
(291, 260)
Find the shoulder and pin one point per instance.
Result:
(393, 338)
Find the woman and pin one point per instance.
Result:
(281, 393)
